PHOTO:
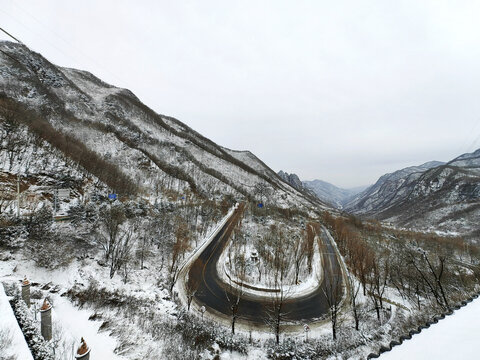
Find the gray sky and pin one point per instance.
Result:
(343, 91)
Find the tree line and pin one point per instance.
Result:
(14, 115)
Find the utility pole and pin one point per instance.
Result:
(55, 196)
(18, 195)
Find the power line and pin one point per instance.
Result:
(44, 38)
(52, 39)
(474, 144)
(468, 144)
(13, 37)
(48, 38)
(7, 54)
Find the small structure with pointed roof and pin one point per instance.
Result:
(26, 291)
(83, 351)
(46, 320)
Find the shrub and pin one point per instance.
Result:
(5, 341)
(52, 251)
(39, 223)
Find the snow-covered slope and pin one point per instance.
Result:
(332, 194)
(385, 190)
(433, 196)
(471, 161)
(155, 152)
(296, 183)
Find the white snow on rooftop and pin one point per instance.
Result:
(8, 325)
(455, 337)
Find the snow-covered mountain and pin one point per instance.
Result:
(292, 179)
(326, 192)
(296, 183)
(435, 195)
(385, 190)
(147, 151)
(332, 194)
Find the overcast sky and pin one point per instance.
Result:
(342, 91)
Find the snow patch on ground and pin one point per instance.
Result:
(76, 324)
(71, 322)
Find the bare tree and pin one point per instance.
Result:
(237, 269)
(281, 265)
(309, 244)
(437, 273)
(299, 249)
(432, 275)
(11, 139)
(111, 218)
(181, 244)
(261, 244)
(333, 296)
(162, 233)
(354, 286)
(374, 283)
(121, 252)
(382, 273)
(145, 235)
(191, 289)
(142, 249)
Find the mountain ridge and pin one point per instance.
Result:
(326, 192)
(117, 126)
(432, 196)
(332, 194)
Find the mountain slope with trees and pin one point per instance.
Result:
(120, 260)
(326, 192)
(131, 143)
(433, 196)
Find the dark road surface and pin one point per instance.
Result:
(211, 289)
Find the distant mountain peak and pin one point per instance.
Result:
(292, 179)
(445, 196)
(473, 159)
(332, 194)
(323, 190)
(431, 164)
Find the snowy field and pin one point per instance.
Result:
(455, 337)
(69, 322)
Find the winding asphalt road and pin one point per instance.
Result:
(211, 289)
